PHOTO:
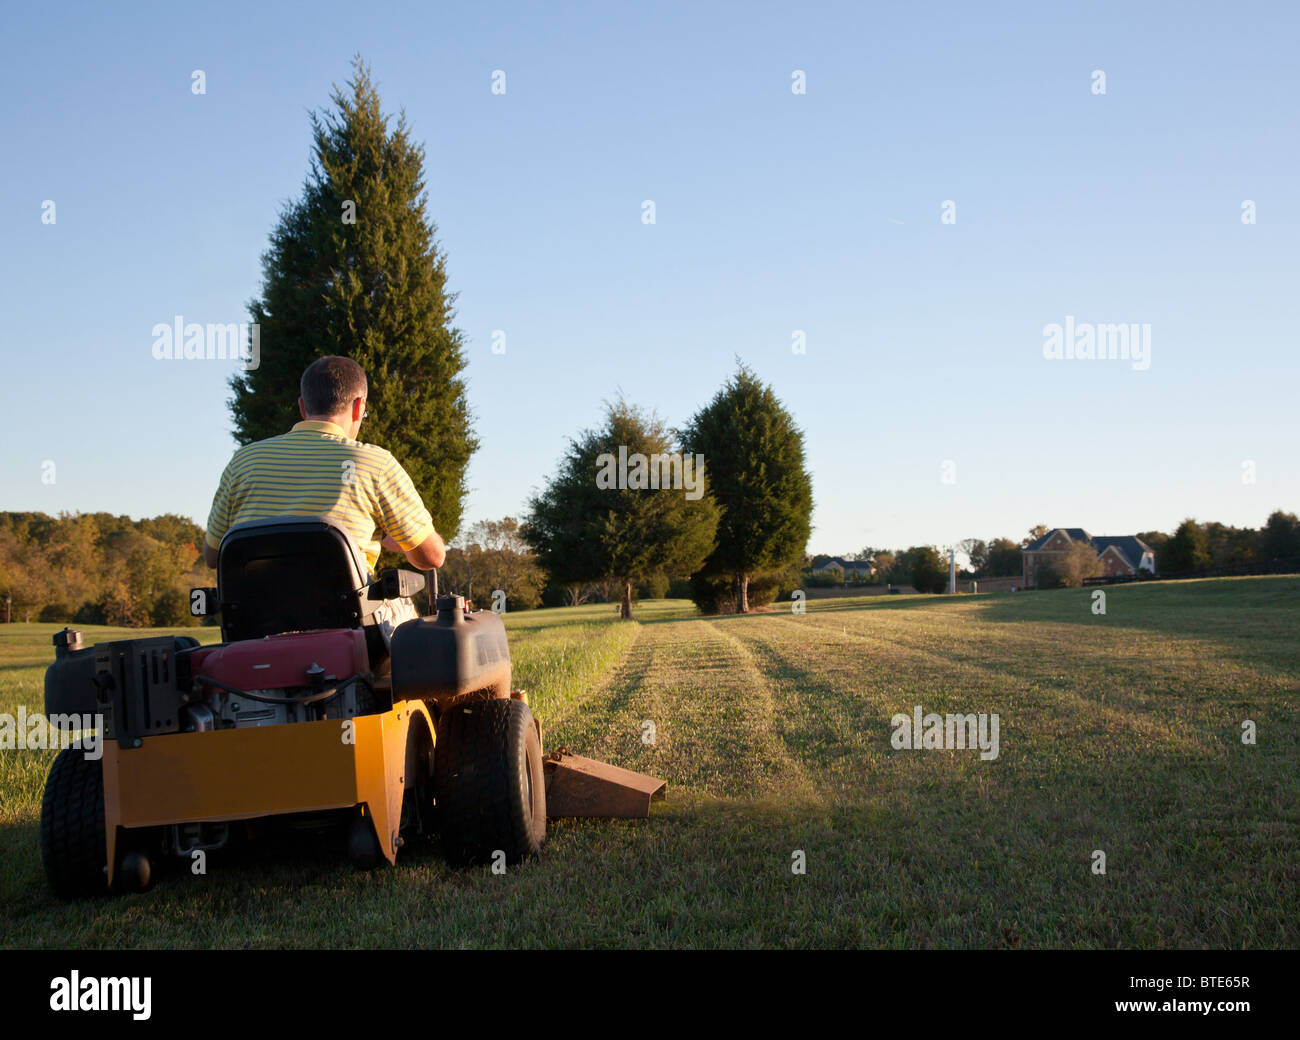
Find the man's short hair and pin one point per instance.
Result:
(330, 385)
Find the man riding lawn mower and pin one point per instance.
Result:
(319, 704)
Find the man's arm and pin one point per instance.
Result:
(430, 553)
(209, 555)
(406, 523)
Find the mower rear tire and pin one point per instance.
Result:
(488, 782)
(74, 851)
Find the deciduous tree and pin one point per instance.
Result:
(584, 532)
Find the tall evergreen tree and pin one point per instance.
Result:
(1280, 537)
(353, 268)
(1187, 550)
(755, 457)
(584, 530)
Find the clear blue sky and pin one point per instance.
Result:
(775, 212)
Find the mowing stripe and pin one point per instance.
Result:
(711, 708)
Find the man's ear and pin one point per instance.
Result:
(302, 408)
(358, 409)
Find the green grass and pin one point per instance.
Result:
(1118, 732)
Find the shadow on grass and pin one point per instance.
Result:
(913, 863)
(1250, 618)
(833, 606)
(1237, 613)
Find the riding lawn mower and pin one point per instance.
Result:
(310, 710)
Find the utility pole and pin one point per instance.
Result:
(952, 572)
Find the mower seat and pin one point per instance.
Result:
(290, 574)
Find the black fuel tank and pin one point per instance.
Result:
(70, 680)
(451, 655)
(136, 684)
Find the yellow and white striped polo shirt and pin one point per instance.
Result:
(317, 470)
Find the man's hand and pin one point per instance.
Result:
(429, 554)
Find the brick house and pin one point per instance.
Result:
(1119, 554)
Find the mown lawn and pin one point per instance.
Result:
(1119, 732)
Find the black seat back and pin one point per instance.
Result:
(290, 574)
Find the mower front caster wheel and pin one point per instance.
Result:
(363, 846)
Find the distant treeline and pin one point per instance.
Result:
(1192, 546)
(1195, 546)
(96, 568)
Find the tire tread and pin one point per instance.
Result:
(74, 850)
(481, 784)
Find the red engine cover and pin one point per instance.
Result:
(278, 662)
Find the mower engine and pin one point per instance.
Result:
(170, 684)
(279, 680)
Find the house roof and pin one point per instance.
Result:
(1128, 545)
(1076, 534)
(845, 565)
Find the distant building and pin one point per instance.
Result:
(851, 568)
(1122, 554)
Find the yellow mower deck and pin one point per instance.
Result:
(243, 774)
